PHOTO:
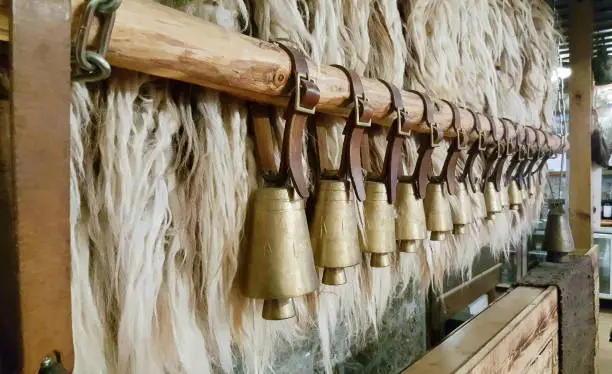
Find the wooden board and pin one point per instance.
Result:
(35, 264)
(581, 99)
(511, 336)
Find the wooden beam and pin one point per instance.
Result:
(161, 41)
(508, 337)
(35, 265)
(581, 103)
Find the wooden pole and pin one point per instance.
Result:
(161, 41)
(581, 102)
(35, 318)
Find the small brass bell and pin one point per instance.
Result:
(481, 212)
(334, 234)
(525, 194)
(462, 216)
(410, 226)
(532, 189)
(558, 241)
(503, 197)
(515, 196)
(437, 212)
(379, 224)
(279, 261)
(492, 201)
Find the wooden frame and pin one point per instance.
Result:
(517, 334)
(453, 301)
(35, 315)
(581, 203)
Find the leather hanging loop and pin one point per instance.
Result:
(420, 176)
(395, 141)
(449, 168)
(517, 164)
(476, 150)
(546, 155)
(304, 97)
(495, 162)
(359, 120)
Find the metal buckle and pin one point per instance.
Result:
(461, 139)
(298, 94)
(481, 141)
(433, 135)
(401, 114)
(360, 103)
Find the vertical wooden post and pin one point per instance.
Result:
(581, 100)
(35, 261)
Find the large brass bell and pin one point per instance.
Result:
(515, 196)
(279, 262)
(437, 212)
(462, 216)
(379, 224)
(334, 234)
(410, 225)
(558, 241)
(492, 201)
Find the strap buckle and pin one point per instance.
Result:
(299, 107)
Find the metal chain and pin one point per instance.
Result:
(90, 65)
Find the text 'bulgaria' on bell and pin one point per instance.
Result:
(334, 233)
(379, 225)
(437, 212)
(279, 263)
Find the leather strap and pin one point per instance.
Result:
(302, 103)
(449, 168)
(420, 175)
(395, 142)
(496, 160)
(359, 120)
(546, 154)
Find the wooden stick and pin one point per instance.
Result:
(35, 309)
(161, 41)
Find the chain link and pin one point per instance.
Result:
(91, 65)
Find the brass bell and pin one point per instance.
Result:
(532, 189)
(503, 197)
(279, 264)
(525, 194)
(379, 224)
(410, 226)
(437, 212)
(481, 212)
(462, 216)
(334, 234)
(558, 241)
(515, 196)
(492, 201)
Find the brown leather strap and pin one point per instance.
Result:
(436, 135)
(302, 103)
(475, 150)
(395, 141)
(449, 168)
(359, 120)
